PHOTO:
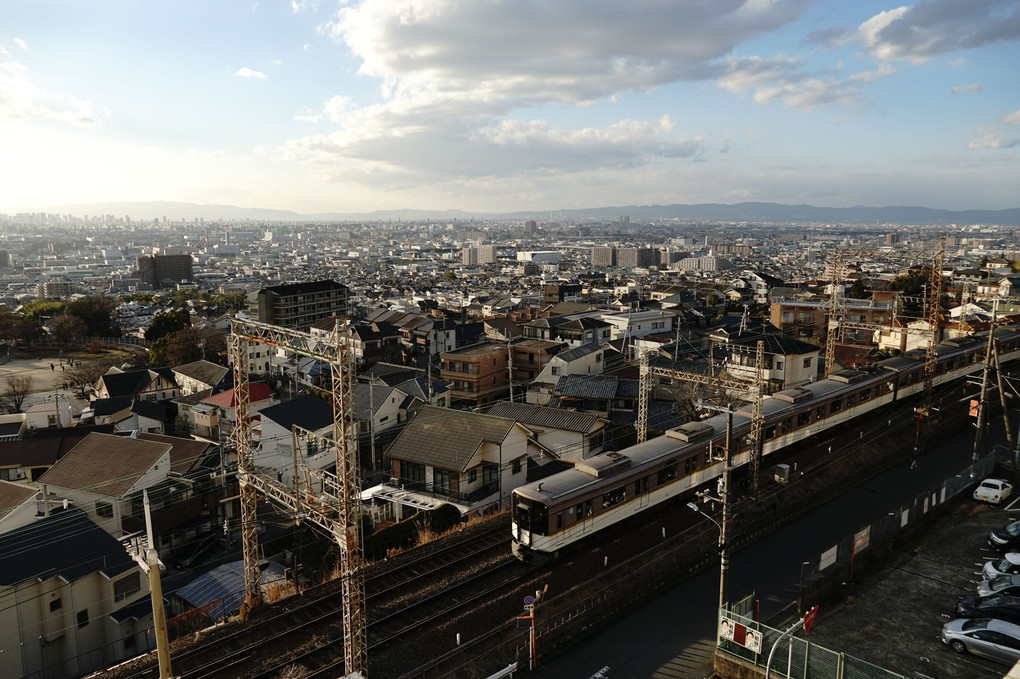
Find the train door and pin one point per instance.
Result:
(584, 519)
(641, 491)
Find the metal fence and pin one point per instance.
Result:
(821, 575)
(804, 660)
(798, 658)
(133, 341)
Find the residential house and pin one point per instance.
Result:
(71, 599)
(49, 415)
(13, 426)
(199, 376)
(222, 414)
(529, 357)
(146, 385)
(477, 374)
(466, 459)
(586, 359)
(562, 434)
(373, 342)
(26, 459)
(574, 330)
(276, 454)
(18, 505)
(788, 362)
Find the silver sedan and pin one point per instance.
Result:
(990, 638)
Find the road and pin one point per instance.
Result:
(673, 636)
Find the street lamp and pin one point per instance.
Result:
(724, 557)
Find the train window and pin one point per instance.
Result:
(770, 433)
(614, 497)
(819, 412)
(667, 474)
(532, 516)
(836, 406)
(559, 520)
(691, 465)
(851, 400)
(803, 418)
(587, 507)
(644, 485)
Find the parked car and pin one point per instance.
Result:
(198, 549)
(993, 490)
(993, 639)
(1004, 584)
(1009, 564)
(1005, 538)
(998, 606)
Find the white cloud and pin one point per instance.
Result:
(21, 43)
(932, 28)
(992, 141)
(784, 79)
(245, 72)
(1013, 118)
(956, 63)
(297, 6)
(966, 89)
(22, 99)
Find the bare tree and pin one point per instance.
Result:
(83, 374)
(14, 394)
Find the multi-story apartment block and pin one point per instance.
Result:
(299, 305)
(154, 270)
(603, 257)
(477, 374)
(808, 318)
(633, 258)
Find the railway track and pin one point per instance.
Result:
(310, 627)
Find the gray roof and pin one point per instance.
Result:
(588, 386)
(579, 352)
(205, 372)
(553, 418)
(308, 411)
(447, 439)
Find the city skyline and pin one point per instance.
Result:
(316, 106)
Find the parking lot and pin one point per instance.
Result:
(893, 617)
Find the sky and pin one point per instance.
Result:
(503, 105)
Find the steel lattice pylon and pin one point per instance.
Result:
(757, 391)
(337, 508)
(245, 465)
(935, 283)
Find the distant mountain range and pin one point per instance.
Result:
(738, 212)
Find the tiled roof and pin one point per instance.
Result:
(601, 387)
(65, 544)
(43, 447)
(307, 411)
(257, 391)
(777, 344)
(447, 439)
(104, 464)
(305, 288)
(205, 372)
(579, 352)
(13, 494)
(184, 453)
(538, 416)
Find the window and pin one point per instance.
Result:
(803, 418)
(555, 370)
(441, 481)
(516, 467)
(83, 618)
(807, 362)
(666, 475)
(55, 605)
(779, 365)
(836, 406)
(614, 497)
(472, 475)
(126, 586)
(104, 508)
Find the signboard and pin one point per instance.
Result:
(809, 618)
(524, 622)
(973, 408)
(529, 600)
(862, 539)
(752, 641)
(529, 607)
(726, 629)
(828, 558)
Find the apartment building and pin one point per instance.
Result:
(299, 305)
(477, 374)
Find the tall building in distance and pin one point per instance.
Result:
(483, 254)
(159, 269)
(634, 258)
(530, 227)
(299, 305)
(603, 257)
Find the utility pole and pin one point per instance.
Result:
(723, 498)
(150, 564)
(979, 435)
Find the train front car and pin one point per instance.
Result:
(530, 525)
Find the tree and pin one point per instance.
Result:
(912, 284)
(95, 311)
(27, 330)
(168, 323)
(83, 374)
(185, 346)
(857, 290)
(41, 308)
(14, 394)
(64, 328)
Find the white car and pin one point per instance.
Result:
(993, 639)
(993, 490)
(1009, 564)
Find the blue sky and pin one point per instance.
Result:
(497, 105)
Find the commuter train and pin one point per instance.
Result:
(597, 492)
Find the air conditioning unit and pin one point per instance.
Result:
(782, 473)
(20, 475)
(394, 480)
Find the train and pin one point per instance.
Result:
(550, 515)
